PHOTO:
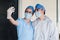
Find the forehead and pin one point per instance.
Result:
(29, 9)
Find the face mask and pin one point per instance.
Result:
(38, 14)
(28, 15)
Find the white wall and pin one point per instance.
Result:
(59, 15)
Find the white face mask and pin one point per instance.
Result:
(38, 14)
(28, 15)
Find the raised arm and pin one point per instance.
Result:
(9, 17)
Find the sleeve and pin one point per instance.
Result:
(19, 20)
(53, 35)
(19, 27)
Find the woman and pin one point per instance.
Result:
(44, 28)
(24, 25)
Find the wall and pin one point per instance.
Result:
(50, 6)
(59, 15)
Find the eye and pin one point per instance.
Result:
(28, 11)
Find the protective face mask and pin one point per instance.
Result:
(38, 14)
(28, 15)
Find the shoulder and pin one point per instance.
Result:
(19, 19)
(35, 21)
(48, 20)
(51, 24)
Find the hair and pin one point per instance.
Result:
(44, 12)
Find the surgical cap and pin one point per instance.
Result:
(31, 7)
(39, 6)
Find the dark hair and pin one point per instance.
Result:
(44, 12)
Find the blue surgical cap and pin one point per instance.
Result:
(39, 6)
(31, 7)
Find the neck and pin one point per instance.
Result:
(27, 20)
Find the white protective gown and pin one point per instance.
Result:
(45, 30)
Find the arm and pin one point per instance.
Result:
(9, 17)
(54, 35)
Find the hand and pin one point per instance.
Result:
(10, 11)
